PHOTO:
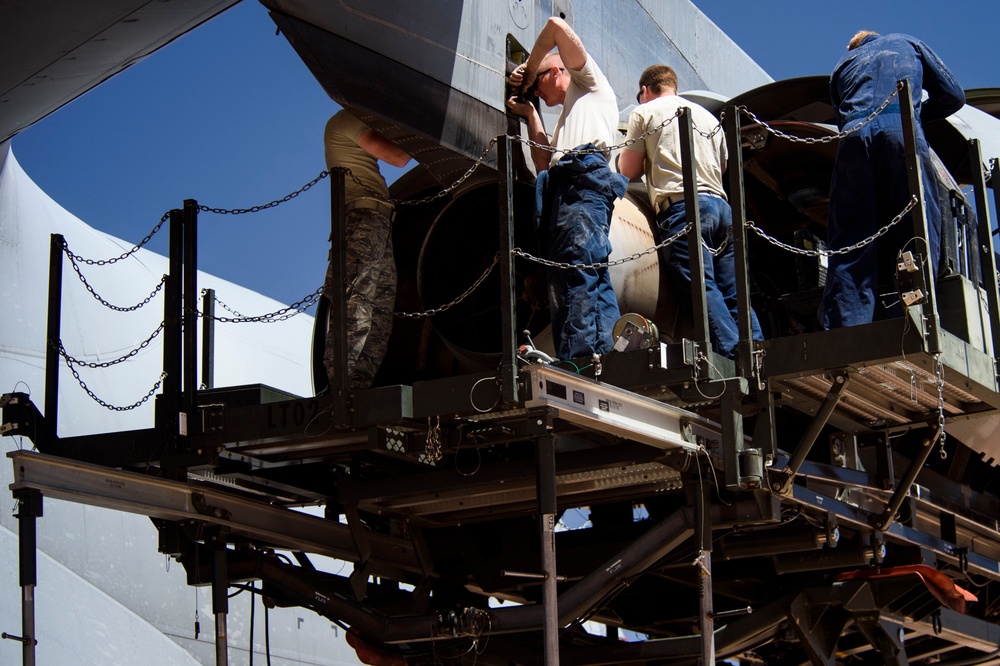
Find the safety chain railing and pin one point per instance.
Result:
(123, 255)
(455, 301)
(72, 362)
(310, 300)
(518, 252)
(823, 139)
(939, 376)
(118, 308)
(543, 146)
(270, 204)
(107, 364)
(443, 193)
(844, 250)
(271, 317)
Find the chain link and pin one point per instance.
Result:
(455, 301)
(118, 308)
(271, 317)
(844, 250)
(528, 142)
(939, 371)
(591, 151)
(432, 447)
(107, 405)
(715, 252)
(518, 252)
(70, 360)
(271, 204)
(443, 193)
(822, 139)
(123, 255)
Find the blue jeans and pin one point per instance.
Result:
(720, 271)
(868, 189)
(574, 201)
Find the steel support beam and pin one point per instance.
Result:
(903, 487)
(190, 315)
(29, 509)
(172, 500)
(703, 534)
(208, 339)
(168, 419)
(689, 169)
(840, 382)
(53, 334)
(744, 321)
(932, 324)
(220, 603)
(508, 317)
(336, 289)
(547, 508)
(984, 226)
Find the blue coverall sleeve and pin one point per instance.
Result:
(944, 94)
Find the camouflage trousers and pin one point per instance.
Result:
(371, 295)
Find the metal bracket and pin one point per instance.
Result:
(201, 506)
(213, 418)
(839, 383)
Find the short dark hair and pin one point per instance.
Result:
(658, 78)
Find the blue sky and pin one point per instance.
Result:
(228, 115)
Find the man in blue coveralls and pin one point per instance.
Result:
(869, 185)
(576, 192)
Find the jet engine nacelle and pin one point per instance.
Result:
(444, 247)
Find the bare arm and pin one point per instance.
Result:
(381, 148)
(536, 132)
(631, 163)
(555, 33)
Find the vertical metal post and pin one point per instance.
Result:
(737, 202)
(919, 213)
(987, 259)
(190, 316)
(508, 364)
(29, 509)
(172, 334)
(995, 184)
(699, 301)
(53, 334)
(220, 602)
(706, 614)
(208, 339)
(547, 508)
(340, 383)
(732, 429)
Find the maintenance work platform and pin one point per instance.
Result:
(828, 497)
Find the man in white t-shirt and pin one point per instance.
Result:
(658, 157)
(575, 191)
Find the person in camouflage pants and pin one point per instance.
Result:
(371, 294)
(371, 267)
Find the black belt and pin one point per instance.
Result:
(677, 198)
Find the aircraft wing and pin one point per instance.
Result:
(54, 51)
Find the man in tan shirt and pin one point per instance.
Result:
(371, 267)
(658, 157)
